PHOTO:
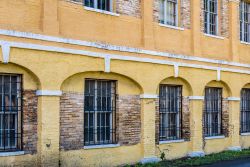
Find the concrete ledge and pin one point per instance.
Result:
(101, 146)
(150, 160)
(233, 98)
(6, 154)
(235, 148)
(196, 154)
(49, 93)
(215, 137)
(148, 96)
(245, 134)
(172, 141)
(172, 27)
(214, 36)
(196, 97)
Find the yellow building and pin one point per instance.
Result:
(114, 82)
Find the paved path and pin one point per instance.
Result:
(237, 163)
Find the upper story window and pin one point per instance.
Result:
(10, 113)
(169, 12)
(244, 21)
(170, 112)
(213, 112)
(105, 5)
(99, 112)
(245, 111)
(211, 17)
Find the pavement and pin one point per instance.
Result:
(236, 163)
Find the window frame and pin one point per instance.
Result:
(95, 5)
(207, 14)
(18, 139)
(208, 119)
(112, 122)
(179, 119)
(244, 33)
(163, 13)
(245, 111)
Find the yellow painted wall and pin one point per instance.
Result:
(125, 86)
(102, 157)
(46, 70)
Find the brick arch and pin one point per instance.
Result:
(128, 108)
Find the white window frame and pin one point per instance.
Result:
(242, 6)
(163, 6)
(96, 5)
(207, 28)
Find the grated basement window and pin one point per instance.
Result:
(10, 113)
(245, 111)
(169, 12)
(244, 21)
(99, 4)
(99, 112)
(212, 112)
(210, 17)
(170, 112)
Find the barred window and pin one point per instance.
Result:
(244, 21)
(245, 111)
(169, 12)
(210, 16)
(10, 113)
(213, 112)
(99, 4)
(99, 112)
(170, 112)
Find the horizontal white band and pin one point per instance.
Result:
(6, 154)
(233, 98)
(215, 137)
(49, 93)
(149, 96)
(101, 146)
(196, 97)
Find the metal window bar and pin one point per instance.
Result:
(99, 112)
(245, 111)
(169, 12)
(213, 112)
(106, 5)
(211, 17)
(170, 112)
(10, 113)
(244, 21)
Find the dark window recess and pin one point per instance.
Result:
(170, 112)
(99, 4)
(245, 111)
(213, 112)
(99, 112)
(210, 16)
(10, 113)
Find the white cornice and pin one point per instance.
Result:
(148, 96)
(196, 97)
(233, 99)
(49, 93)
(114, 56)
(28, 35)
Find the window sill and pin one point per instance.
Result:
(215, 137)
(245, 134)
(101, 146)
(172, 27)
(7, 154)
(171, 141)
(101, 11)
(246, 43)
(214, 36)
